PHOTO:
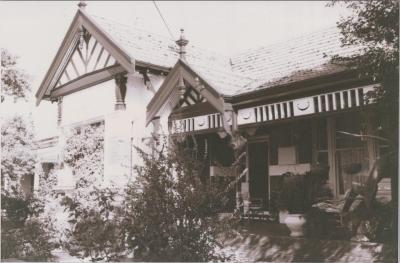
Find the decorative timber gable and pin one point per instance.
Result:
(190, 98)
(174, 94)
(184, 91)
(87, 56)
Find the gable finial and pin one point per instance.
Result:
(182, 42)
(82, 5)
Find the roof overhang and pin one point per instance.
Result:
(65, 51)
(168, 91)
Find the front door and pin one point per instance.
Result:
(258, 173)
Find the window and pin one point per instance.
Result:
(295, 136)
(351, 153)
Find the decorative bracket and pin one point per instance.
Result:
(120, 91)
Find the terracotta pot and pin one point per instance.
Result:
(295, 223)
(282, 216)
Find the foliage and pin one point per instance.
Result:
(47, 183)
(96, 229)
(170, 213)
(377, 226)
(300, 191)
(25, 235)
(374, 27)
(14, 82)
(361, 224)
(25, 232)
(84, 153)
(52, 207)
(17, 159)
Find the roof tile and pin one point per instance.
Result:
(293, 60)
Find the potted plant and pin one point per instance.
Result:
(296, 200)
(299, 192)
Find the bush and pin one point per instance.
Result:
(96, 230)
(25, 235)
(171, 214)
(301, 191)
(84, 153)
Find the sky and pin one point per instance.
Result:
(34, 30)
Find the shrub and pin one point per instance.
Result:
(96, 230)
(300, 191)
(84, 153)
(17, 158)
(25, 232)
(171, 214)
(25, 235)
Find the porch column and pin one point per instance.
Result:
(314, 139)
(331, 137)
(372, 147)
(120, 91)
(59, 111)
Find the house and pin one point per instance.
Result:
(291, 107)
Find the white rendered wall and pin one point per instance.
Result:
(89, 103)
(123, 128)
(80, 108)
(126, 129)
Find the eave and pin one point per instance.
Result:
(86, 81)
(345, 77)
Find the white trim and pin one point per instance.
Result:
(304, 106)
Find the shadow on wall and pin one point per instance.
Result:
(260, 247)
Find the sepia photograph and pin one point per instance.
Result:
(199, 131)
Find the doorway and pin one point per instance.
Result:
(258, 174)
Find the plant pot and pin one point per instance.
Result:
(282, 216)
(295, 223)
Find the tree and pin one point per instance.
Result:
(170, 212)
(25, 232)
(374, 27)
(18, 159)
(14, 82)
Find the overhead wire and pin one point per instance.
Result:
(163, 19)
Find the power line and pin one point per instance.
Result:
(165, 22)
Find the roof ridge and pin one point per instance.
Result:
(133, 27)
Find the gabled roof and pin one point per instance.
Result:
(168, 96)
(154, 49)
(307, 56)
(295, 59)
(69, 45)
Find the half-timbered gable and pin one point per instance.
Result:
(88, 56)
